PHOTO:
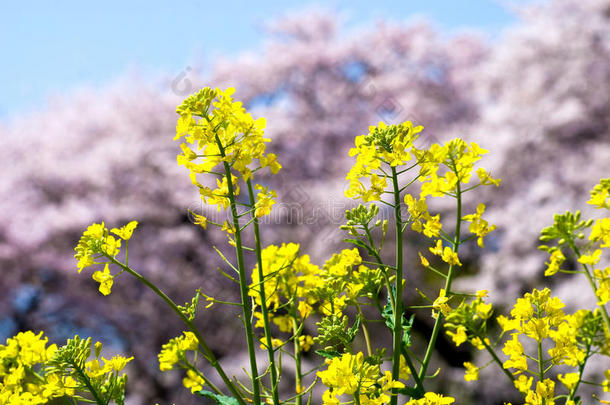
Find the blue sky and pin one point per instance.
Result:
(52, 47)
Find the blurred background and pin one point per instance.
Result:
(87, 120)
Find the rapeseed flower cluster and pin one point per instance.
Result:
(443, 170)
(568, 232)
(33, 372)
(350, 374)
(285, 288)
(421, 220)
(600, 195)
(290, 278)
(468, 322)
(555, 261)
(457, 157)
(391, 144)
(22, 376)
(478, 225)
(99, 377)
(432, 398)
(567, 340)
(341, 280)
(446, 253)
(602, 292)
(574, 338)
(174, 354)
(218, 130)
(286, 302)
(98, 247)
(600, 232)
(174, 351)
(539, 316)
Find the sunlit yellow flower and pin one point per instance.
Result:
(472, 372)
(193, 381)
(105, 279)
(126, 231)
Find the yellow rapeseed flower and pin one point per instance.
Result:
(472, 372)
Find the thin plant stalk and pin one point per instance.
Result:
(496, 359)
(298, 376)
(593, 287)
(243, 282)
(581, 369)
(437, 323)
(263, 298)
(397, 332)
(209, 355)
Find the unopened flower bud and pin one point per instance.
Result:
(98, 349)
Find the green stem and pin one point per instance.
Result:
(540, 353)
(491, 351)
(365, 330)
(437, 323)
(601, 306)
(357, 397)
(377, 264)
(434, 336)
(397, 333)
(383, 267)
(191, 326)
(297, 356)
(371, 240)
(419, 385)
(593, 287)
(263, 298)
(540, 362)
(243, 282)
(581, 369)
(87, 382)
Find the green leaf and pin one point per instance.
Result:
(328, 354)
(220, 399)
(388, 316)
(388, 313)
(406, 327)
